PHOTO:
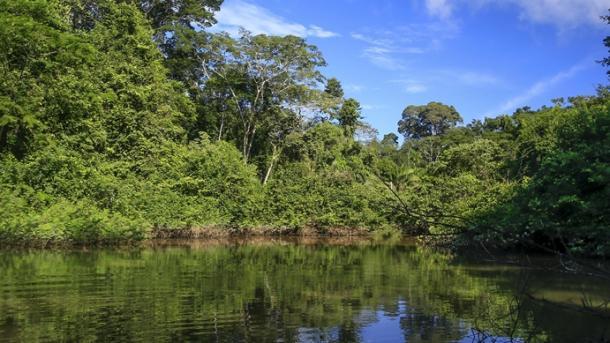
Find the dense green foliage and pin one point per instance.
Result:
(536, 179)
(104, 136)
(119, 117)
(563, 198)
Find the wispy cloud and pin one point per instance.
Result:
(411, 86)
(319, 32)
(415, 88)
(423, 82)
(439, 8)
(391, 48)
(371, 107)
(539, 88)
(372, 40)
(383, 58)
(235, 14)
(564, 14)
(469, 78)
(354, 88)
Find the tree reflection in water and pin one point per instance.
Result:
(307, 291)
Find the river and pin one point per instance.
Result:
(306, 290)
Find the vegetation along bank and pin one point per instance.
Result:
(120, 120)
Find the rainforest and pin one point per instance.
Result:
(164, 180)
(120, 120)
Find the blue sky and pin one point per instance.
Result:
(485, 57)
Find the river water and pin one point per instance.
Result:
(265, 290)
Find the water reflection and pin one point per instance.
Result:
(285, 291)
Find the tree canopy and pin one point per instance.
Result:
(432, 119)
(119, 119)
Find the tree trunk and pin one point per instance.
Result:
(222, 124)
(244, 148)
(250, 141)
(275, 155)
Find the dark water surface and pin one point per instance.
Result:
(285, 291)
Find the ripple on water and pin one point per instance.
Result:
(276, 293)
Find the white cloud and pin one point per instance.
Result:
(371, 107)
(378, 50)
(539, 88)
(319, 32)
(469, 78)
(415, 88)
(258, 20)
(439, 8)
(389, 49)
(354, 88)
(421, 82)
(371, 40)
(411, 86)
(383, 58)
(564, 14)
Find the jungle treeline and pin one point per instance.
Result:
(121, 117)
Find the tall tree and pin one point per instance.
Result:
(178, 26)
(349, 116)
(263, 74)
(166, 14)
(432, 119)
(334, 88)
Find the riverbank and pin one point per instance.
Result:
(215, 232)
(230, 231)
